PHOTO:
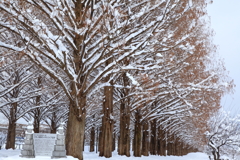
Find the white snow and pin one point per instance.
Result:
(132, 79)
(3, 119)
(14, 155)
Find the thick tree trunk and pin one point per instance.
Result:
(75, 134)
(170, 145)
(12, 127)
(11, 135)
(177, 153)
(36, 125)
(169, 148)
(181, 149)
(107, 123)
(92, 139)
(174, 145)
(137, 135)
(153, 141)
(162, 142)
(145, 139)
(124, 139)
(107, 119)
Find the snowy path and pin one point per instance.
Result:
(14, 155)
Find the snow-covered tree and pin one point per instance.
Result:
(82, 45)
(223, 133)
(15, 75)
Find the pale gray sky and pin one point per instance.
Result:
(225, 21)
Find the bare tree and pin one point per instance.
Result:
(223, 132)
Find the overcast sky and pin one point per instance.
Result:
(225, 21)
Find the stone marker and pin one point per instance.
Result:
(59, 148)
(44, 143)
(28, 149)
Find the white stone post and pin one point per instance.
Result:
(59, 147)
(28, 148)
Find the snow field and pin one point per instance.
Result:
(14, 155)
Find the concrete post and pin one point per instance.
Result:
(59, 147)
(28, 148)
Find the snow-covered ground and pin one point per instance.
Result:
(14, 155)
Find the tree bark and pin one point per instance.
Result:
(36, 124)
(124, 139)
(114, 142)
(100, 144)
(170, 145)
(107, 119)
(177, 147)
(145, 138)
(137, 135)
(162, 142)
(11, 135)
(12, 127)
(92, 139)
(37, 112)
(153, 141)
(75, 133)
(107, 123)
(53, 123)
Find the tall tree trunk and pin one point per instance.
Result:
(75, 133)
(162, 142)
(36, 124)
(114, 142)
(137, 134)
(169, 144)
(177, 147)
(181, 148)
(53, 123)
(124, 139)
(153, 141)
(12, 127)
(92, 139)
(100, 144)
(11, 135)
(107, 119)
(174, 145)
(37, 112)
(107, 122)
(118, 144)
(145, 138)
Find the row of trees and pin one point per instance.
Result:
(120, 66)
